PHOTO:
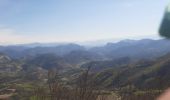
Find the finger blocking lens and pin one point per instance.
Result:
(165, 25)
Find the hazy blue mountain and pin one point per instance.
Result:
(145, 48)
(32, 45)
(138, 49)
(21, 51)
(58, 50)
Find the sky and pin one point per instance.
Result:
(27, 21)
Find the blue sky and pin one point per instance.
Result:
(25, 21)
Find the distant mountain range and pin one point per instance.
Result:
(145, 48)
(138, 49)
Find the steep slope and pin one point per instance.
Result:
(143, 74)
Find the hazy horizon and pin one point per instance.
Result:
(30, 21)
(94, 43)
